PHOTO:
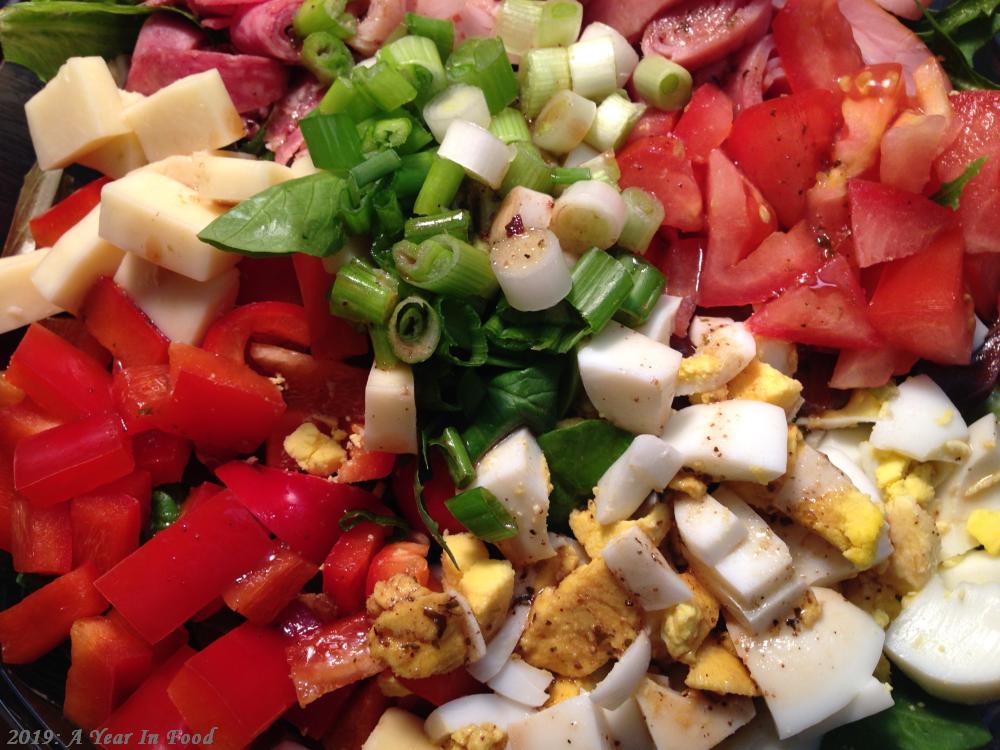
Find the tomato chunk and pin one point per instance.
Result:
(437, 489)
(706, 122)
(400, 558)
(365, 709)
(50, 225)
(262, 592)
(659, 165)
(815, 44)
(330, 337)
(122, 328)
(346, 567)
(230, 335)
(41, 538)
(982, 276)
(106, 528)
(316, 719)
(332, 657)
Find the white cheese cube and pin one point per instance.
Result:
(77, 111)
(642, 569)
(159, 219)
(192, 114)
(647, 465)
(180, 307)
(630, 378)
(919, 421)
(742, 440)
(576, 722)
(391, 411)
(231, 179)
(516, 472)
(709, 529)
(117, 157)
(20, 302)
(78, 259)
(398, 728)
(689, 720)
(659, 326)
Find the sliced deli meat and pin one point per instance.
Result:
(266, 30)
(629, 18)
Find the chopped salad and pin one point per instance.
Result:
(486, 375)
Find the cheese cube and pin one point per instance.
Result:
(121, 154)
(180, 307)
(192, 114)
(20, 302)
(78, 111)
(231, 179)
(158, 218)
(78, 259)
(391, 411)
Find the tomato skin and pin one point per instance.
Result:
(42, 620)
(443, 688)
(399, 558)
(106, 528)
(330, 337)
(706, 122)
(682, 265)
(907, 150)
(230, 335)
(815, 44)
(49, 226)
(659, 165)
(140, 394)
(653, 122)
(122, 328)
(345, 570)
(41, 538)
(365, 708)
(316, 719)
(869, 368)
(982, 277)
(238, 683)
(261, 593)
(978, 114)
(164, 456)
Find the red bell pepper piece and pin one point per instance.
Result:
(268, 279)
(72, 459)
(365, 709)
(316, 719)
(41, 538)
(330, 337)
(218, 402)
(274, 449)
(261, 593)
(7, 498)
(138, 484)
(230, 335)
(315, 386)
(334, 656)
(301, 510)
(162, 649)
(107, 663)
(22, 420)
(185, 567)
(346, 568)
(42, 620)
(122, 328)
(200, 494)
(10, 394)
(443, 688)
(148, 718)
(106, 528)
(52, 224)
(238, 685)
(59, 377)
(163, 456)
(363, 465)
(400, 558)
(437, 489)
(140, 394)
(306, 615)
(75, 332)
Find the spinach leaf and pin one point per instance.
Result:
(463, 341)
(514, 398)
(354, 517)
(41, 36)
(950, 192)
(958, 33)
(916, 721)
(578, 455)
(556, 330)
(300, 215)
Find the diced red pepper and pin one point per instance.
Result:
(400, 558)
(106, 528)
(330, 337)
(315, 386)
(316, 719)
(22, 420)
(198, 495)
(122, 328)
(164, 456)
(138, 484)
(72, 459)
(274, 449)
(306, 615)
(365, 709)
(59, 377)
(263, 592)
(301, 510)
(346, 568)
(437, 489)
(443, 688)
(230, 335)
(268, 279)
(10, 394)
(42, 620)
(75, 332)
(334, 656)
(185, 567)
(239, 685)
(162, 649)
(50, 225)
(106, 664)
(140, 394)
(41, 538)
(364, 465)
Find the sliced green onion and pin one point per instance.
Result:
(643, 216)
(387, 87)
(483, 62)
(481, 513)
(420, 137)
(560, 23)
(569, 175)
(579, 155)
(600, 285)
(416, 51)
(385, 357)
(626, 58)
(324, 15)
(376, 167)
(528, 169)
(388, 213)
(563, 122)
(510, 126)
(588, 214)
(357, 212)
(647, 288)
(390, 133)
(543, 72)
(457, 456)
(522, 209)
(363, 293)
(482, 155)
(458, 102)
(662, 83)
(592, 68)
(531, 270)
(455, 223)
(326, 56)
(352, 518)
(440, 188)
(412, 174)
(446, 265)
(616, 116)
(344, 97)
(517, 25)
(333, 141)
(439, 31)
(604, 168)
(414, 330)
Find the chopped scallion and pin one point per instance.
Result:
(385, 357)
(439, 31)
(643, 215)
(457, 102)
(569, 175)
(412, 173)
(517, 25)
(375, 167)
(528, 169)
(482, 514)
(333, 141)
(446, 265)
(457, 456)
(414, 330)
(662, 83)
(647, 288)
(440, 188)
(483, 62)
(560, 23)
(416, 51)
(563, 122)
(455, 223)
(510, 126)
(326, 56)
(363, 293)
(387, 87)
(543, 72)
(353, 518)
(600, 285)
(344, 97)
(616, 116)
(324, 15)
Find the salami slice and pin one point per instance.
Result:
(283, 136)
(266, 29)
(630, 18)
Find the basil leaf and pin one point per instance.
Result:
(958, 33)
(950, 192)
(352, 518)
(298, 216)
(557, 330)
(463, 341)
(578, 455)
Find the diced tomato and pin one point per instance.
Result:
(706, 122)
(306, 615)
(263, 592)
(148, 717)
(330, 337)
(815, 44)
(888, 223)
(301, 510)
(268, 279)
(106, 528)
(653, 122)
(437, 489)
(681, 262)
(41, 538)
(399, 558)
(42, 620)
(58, 376)
(365, 709)
(660, 166)
(443, 688)
(140, 394)
(828, 311)
(7, 498)
(122, 328)
(315, 386)
(874, 96)
(230, 335)
(978, 113)
(49, 226)
(218, 402)
(22, 420)
(72, 459)
(363, 465)
(106, 664)
(185, 567)
(334, 656)
(919, 304)
(316, 719)
(908, 148)
(346, 567)
(982, 277)
(979, 208)
(164, 456)
(869, 368)
(781, 144)
(238, 684)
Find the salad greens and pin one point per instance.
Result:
(960, 32)
(352, 518)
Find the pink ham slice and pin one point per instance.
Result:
(629, 17)
(701, 32)
(168, 31)
(471, 17)
(746, 84)
(381, 19)
(266, 29)
(283, 136)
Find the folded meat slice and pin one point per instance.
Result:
(630, 18)
(266, 29)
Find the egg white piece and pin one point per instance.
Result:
(473, 632)
(623, 679)
(627, 727)
(974, 567)
(474, 709)
(502, 645)
(576, 722)
(760, 734)
(783, 356)
(390, 410)
(874, 697)
(806, 674)
(847, 441)
(709, 529)
(738, 440)
(659, 326)
(689, 720)
(642, 569)
(647, 465)
(730, 344)
(522, 683)
(919, 421)
(817, 562)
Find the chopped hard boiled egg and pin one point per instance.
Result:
(642, 569)
(646, 466)
(723, 348)
(690, 719)
(659, 326)
(314, 451)
(595, 536)
(576, 722)
(920, 422)
(984, 526)
(758, 381)
(717, 669)
(488, 586)
(390, 410)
